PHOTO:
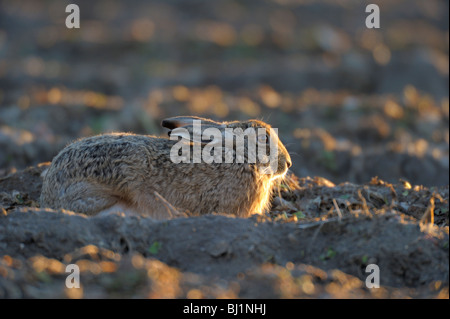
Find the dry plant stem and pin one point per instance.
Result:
(337, 209)
(428, 217)
(173, 212)
(365, 207)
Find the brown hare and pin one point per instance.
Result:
(126, 172)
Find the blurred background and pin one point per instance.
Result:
(350, 102)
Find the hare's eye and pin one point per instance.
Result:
(263, 138)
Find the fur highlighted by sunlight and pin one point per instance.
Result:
(100, 173)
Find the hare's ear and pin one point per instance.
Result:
(181, 121)
(205, 137)
(181, 132)
(184, 127)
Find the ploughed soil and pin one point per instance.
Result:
(315, 243)
(365, 110)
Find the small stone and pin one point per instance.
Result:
(218, 249)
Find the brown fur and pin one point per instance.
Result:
(93, 174)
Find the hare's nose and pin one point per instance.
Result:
(288, 162)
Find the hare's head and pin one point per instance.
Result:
(263, 144)
(253, 142)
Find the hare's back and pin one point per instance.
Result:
(107, 157)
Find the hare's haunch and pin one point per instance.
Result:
(123, 171)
